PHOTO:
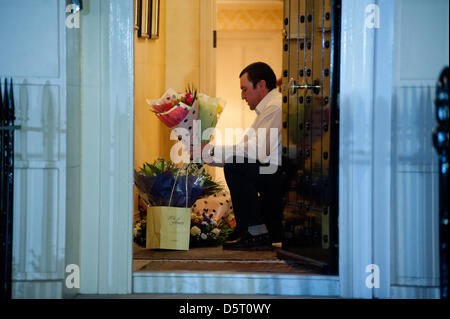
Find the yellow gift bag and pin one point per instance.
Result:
(168, 227)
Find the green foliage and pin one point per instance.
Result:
(158, 167)
(206, 232)
(191, 89)
(140, 231)
(161, 166)
(210, 233)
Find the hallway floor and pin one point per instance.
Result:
(215, 259)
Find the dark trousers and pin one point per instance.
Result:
(256, 197)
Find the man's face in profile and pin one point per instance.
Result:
(251, 94)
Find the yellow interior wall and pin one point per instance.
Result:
(248, 17)
(182, 44)
(151, 137)
(183, 47)
(172, 61)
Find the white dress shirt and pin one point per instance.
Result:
(262, 141)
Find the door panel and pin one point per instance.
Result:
(309, 138)
(33, 55)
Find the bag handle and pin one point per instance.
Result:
(175, 183)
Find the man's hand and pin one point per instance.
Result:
(202, 146)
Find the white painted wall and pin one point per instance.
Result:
(33, 53)
(74, 101)
(388, 167)
(421, 51)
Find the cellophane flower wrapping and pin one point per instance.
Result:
(158, 189)
(173, 108)
(212, 220)
(164, 184)
(179, 110)
(205, 231)
(210, 109)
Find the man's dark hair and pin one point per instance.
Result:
(260, 71)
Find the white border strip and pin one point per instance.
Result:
(239, 284)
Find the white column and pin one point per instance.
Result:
(356, 162)
(382, 149)
(107, 147)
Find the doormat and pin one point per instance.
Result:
(203, 253)
(225, 266)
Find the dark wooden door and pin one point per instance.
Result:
(310, 137)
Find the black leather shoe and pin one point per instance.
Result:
(249, 242)
(234, 235)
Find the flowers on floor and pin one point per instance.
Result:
(163, 183)
(205, 231)
(140, 231)
(212, 220)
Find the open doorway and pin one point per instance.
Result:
(247, 31)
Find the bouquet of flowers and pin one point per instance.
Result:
(205, 231)
(180, 110)
(165, 184)
(210, 109)
(212, 220)
(172, 107)
(140, 231)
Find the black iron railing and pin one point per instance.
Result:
(7, 128)
(440, 139)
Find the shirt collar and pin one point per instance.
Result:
(263, 104)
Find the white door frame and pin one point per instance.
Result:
(365, 148)
(107, 133)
